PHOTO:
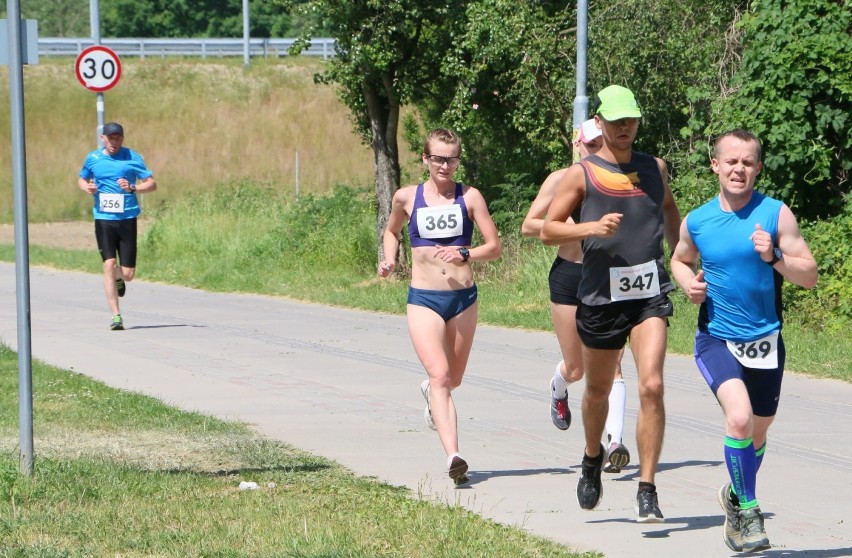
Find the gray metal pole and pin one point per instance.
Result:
(246, 35)
(581, 101)
(22, 242)
(95, 24)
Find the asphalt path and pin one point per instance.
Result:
(345, 385)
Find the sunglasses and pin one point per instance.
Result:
(439, 160)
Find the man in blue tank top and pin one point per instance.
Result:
(113, 175)
(626, 209)
(748, 244)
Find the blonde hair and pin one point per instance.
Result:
(443, 135)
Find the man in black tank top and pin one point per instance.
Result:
(626, 208)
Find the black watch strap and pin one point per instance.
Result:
(465, 253)
(777, 254)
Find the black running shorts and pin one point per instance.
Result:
(608, 326)
(117, 239)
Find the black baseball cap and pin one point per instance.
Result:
(111, 128)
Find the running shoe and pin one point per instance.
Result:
(560, 414)
(752, 534)
(731, 529)
(589, 488)
(120, 286)
(617, 457)
(117, 324)
(458, 471)
(427, 412)
(647, 507)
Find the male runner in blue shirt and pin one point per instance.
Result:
(113, 175)
(748, 244)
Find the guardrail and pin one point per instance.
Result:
(184, 47)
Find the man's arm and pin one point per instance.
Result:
(568, 195)
(533, 222)
(797, 264)
(671, 214)
(87, 186)
(684, 259)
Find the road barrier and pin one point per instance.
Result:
(185, 47)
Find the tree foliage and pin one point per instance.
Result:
(793, 89)
(160, 18)
(190, 18)
(57, 18)
(513, 76)
(388, 53)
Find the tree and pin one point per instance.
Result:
(190, 18)
(793, 89)
(57, 18)
(388, 53)
(515, 80)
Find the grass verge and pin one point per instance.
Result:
(121, 474)
(240, 237)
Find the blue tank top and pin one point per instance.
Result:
(448, 225)
(106, 170)
(743, 293)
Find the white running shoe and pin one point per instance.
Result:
(427, 412)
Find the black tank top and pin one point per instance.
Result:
(635, 190)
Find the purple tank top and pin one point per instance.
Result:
(448, 225)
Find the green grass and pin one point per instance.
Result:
(244, 238)
(120, 474)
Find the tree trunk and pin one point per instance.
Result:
(383, 112)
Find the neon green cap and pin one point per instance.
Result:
(617, 102)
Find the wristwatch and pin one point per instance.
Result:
(777, 254)
(133, 187)
(465, 253)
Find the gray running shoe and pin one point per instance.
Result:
(617, 457)
(560, 414)
(752, 533)
(117, 323)
(731, 532)
(590, 488)
(647, 508)
(427, 413)
(458, 471)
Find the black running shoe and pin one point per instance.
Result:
(647, 508)
(120, 286)
(458, 471)
(117, 324)
(589, 488)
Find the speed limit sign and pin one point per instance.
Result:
(98, 68)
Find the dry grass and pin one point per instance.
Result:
(196, 123)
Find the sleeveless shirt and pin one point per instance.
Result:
(743, 293)
(414, 233)
(636, 190)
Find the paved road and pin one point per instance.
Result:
(344, 384)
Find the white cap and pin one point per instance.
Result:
(588, 131)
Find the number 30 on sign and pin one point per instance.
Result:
(98, 68)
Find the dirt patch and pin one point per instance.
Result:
(68, 235)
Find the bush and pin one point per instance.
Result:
(829, 305)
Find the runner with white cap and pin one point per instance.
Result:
(564, 280)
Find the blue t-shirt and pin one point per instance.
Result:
(743, 293)
(111, 202)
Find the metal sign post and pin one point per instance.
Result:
(22, 242)
(581, 100)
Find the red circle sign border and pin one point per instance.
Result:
(108, 51)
